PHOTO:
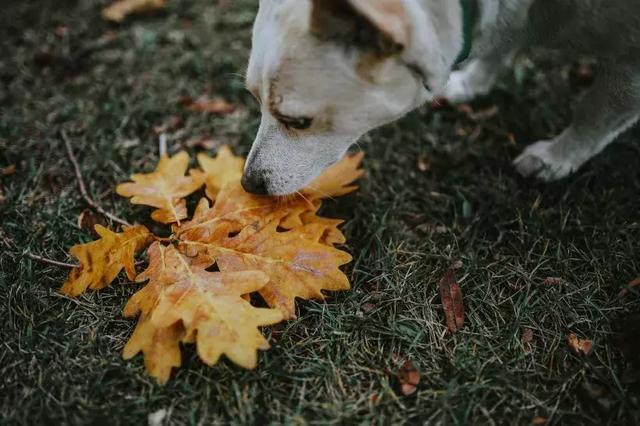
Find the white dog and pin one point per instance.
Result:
(328, 71)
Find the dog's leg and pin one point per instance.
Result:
(476, 78)
(610, 107)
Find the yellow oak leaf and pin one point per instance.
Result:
(102, 260)
(220, 170)
(117, 11)
(161, 347)
(337, 179)
(297, 266)
(208, 306)
(165, 188)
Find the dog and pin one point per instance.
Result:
(328, 71)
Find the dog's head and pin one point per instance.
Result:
(325, 72)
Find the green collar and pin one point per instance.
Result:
(469, 19)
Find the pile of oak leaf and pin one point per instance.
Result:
(199, 280)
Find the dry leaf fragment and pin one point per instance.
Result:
(102, 260)
(579, 346)
(88, 219)
(632, 284)
(8, 170)
(451, 296)
(221, 170)
(409, 378)
(209, 305)
(552, 281)
(165, 188)
(539, 421)
(204, 104)
(117, 11)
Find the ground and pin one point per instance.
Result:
(439, 188)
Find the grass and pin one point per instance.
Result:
(60, 360)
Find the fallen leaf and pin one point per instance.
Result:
(579, 346)
(539, 421)
(632, 284)
(409, 378)
(117, 11)
(88, 219)
(297, 266)
(8, 170)
(221, 170)
(451, 296)
(165, 188)
(205, 104)
(336, 180)
(207, 304)
(277, 247)
(102, 260)
(527, 335)
(552, 281)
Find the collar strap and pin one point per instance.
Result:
(469, 18)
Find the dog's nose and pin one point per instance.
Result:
(254, 183)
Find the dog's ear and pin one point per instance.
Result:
(379, 25)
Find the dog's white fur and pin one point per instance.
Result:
(347, 90)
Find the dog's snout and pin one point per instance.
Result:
(255, 183)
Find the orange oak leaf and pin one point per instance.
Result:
(102, 260)
(165, 188)
(117, 11)
(221, 170)
(297, 266)
(208, 305)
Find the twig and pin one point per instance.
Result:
(81, 184)
(49, 261)
(163, 144)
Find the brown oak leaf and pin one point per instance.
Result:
(451, 296)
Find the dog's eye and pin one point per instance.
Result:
(298, 123)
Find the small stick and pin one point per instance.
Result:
(81, 184)
(163, 144)
(49, 261)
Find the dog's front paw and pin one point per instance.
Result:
(458, 89)
(538, 160)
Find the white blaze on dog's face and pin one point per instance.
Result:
(324, 74)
